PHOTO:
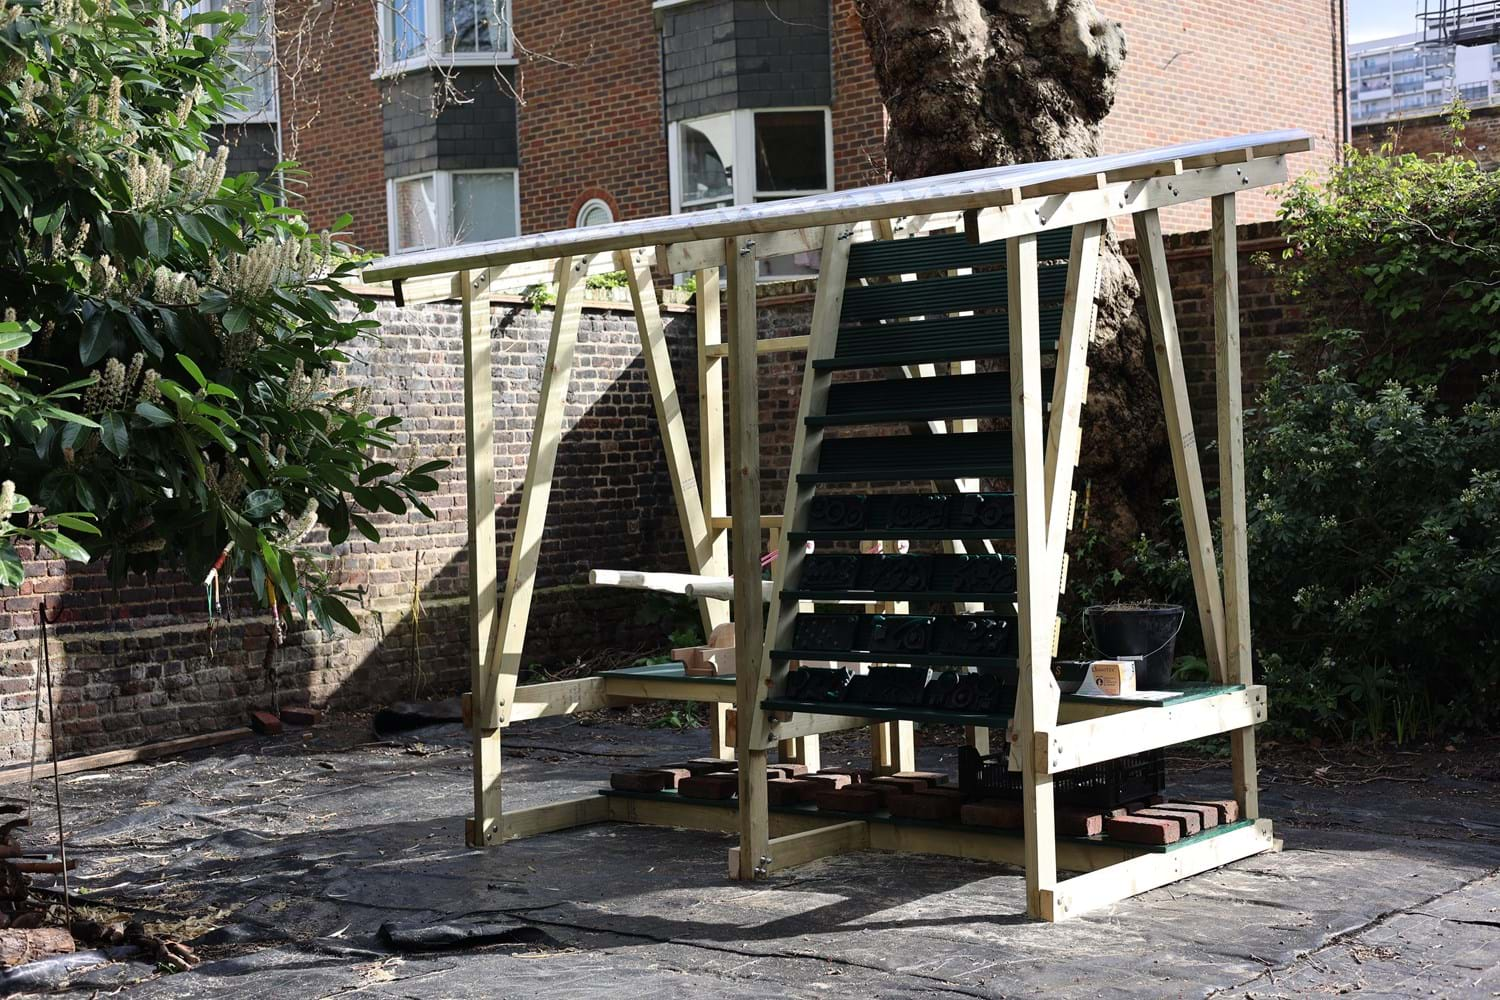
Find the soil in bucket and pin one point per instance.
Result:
(1148, 630)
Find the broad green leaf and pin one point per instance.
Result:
(113, 433)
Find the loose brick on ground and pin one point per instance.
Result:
(301, 716)
(265, 723)
(1143, 830)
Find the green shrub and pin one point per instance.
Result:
(1375, 546)
(1405, 250)
(186, 334)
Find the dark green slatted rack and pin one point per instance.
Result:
(944, 252)
(944, 397)
(1006, 665)
(909, 534)
(950, 338)
(933, 296)
(897, 459)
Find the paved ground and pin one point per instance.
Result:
(284, 857)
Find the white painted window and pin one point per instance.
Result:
(253, 49)
(595, 212)
(417, 33)
(749, 156)
(452, 206)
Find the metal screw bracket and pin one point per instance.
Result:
(745, 250)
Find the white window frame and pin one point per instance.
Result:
(590, 204)
(443, 196)
(432, 53)
(746, 181)
(270, 113)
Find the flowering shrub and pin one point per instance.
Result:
(181, 376)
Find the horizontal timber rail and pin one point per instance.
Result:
(1010, 187)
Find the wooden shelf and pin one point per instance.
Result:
(905, 659)
(887, 713)
(881, 596)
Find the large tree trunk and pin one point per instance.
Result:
(980, 83)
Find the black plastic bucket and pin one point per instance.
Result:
(1146, 630)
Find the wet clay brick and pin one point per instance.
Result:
(858, 775)
(930, 804)
(789, 791)
(887, 787)
(854, 799)
(265, 723)
(932, 778)
(1143, 830)
(1078, 823)
(1187, 823)
(1228, 809)
(997, 813)
(709, 786)
(709, 765)
(1208, 816)
(827, 780)
(638, 781)
(790, 770)
(673, 775)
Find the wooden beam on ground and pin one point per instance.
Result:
(1156, 288)
(1036, 583)
(479, 476)
(749, 614)
(1231, 422)
(673, 426)
(132, 755)
(1096, 889)
(800, 848)
(1078, 744)
(540, 701)
(554, 816)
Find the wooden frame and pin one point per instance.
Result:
(722, 525)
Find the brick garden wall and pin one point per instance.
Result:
(1430, 134)
(134, 666)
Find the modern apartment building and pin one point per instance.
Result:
(438, 121)
(1413, 75)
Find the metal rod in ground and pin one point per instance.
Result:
(62, 843)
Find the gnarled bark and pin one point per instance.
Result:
(981, 83)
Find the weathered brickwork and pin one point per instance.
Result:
(1430, 134)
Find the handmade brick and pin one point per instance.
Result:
(709, 786)
(638, 781)
(824, 779)
(1188, 823)
(932, 778)
(672, 776)
(1078, 823)
(1228, 809)
(265, 723)
(790, 791)
(854, 799)
(1001, 814)
(1143, 830)
(1208, 816)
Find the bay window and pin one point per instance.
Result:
(750, 156)
(446, 207)
(415, 33)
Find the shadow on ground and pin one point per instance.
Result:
(283, 858)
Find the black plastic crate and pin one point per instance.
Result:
(1101, 786)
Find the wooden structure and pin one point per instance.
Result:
(1015, 253)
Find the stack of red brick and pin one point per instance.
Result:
(927, 795)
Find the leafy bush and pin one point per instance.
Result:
(194, 328)
(1375, 547)
(1406, 251)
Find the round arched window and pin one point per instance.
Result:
(595, 212)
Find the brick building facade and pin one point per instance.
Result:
(599, 102)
